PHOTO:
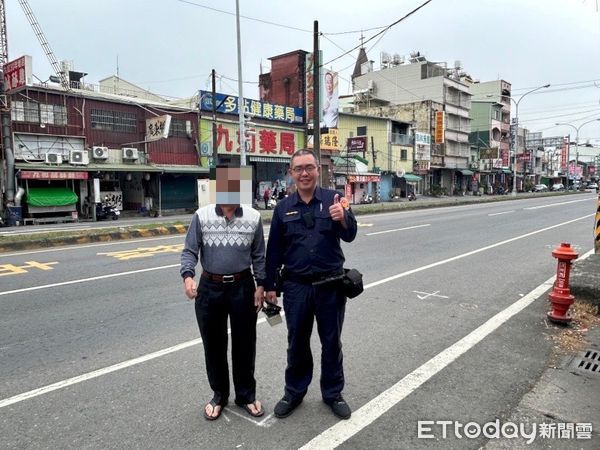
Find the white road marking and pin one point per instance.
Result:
(103, 371)
(99, 244)
(374, 409)
(504, 212)
(424, 295)
(557, 204)
(85, 280)
(397, 229)
(473, 252)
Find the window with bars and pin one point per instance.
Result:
(39, 113)
(178, 128)
(117, 121)
(403, 154)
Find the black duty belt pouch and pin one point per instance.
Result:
(352, 283)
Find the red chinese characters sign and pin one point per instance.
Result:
(266, 141)
(17, 73)
(41, 175)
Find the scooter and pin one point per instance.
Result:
(105, 212)
(366, 199)
(411, 196)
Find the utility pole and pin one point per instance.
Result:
(240, 87)
(215, 154)
(317, 99)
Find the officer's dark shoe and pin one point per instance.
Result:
(340, 408)
(285, 407)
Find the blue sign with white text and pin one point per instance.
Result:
(228, 104)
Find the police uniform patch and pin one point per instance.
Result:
(344, 202)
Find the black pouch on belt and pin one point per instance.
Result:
(352, 283)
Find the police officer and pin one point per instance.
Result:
(305, 240)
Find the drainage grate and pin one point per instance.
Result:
(589, 362)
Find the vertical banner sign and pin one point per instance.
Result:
(329, 96)
(310, 87)
(439, 127)
(564, 154)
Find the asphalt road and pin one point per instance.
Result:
(100, 348)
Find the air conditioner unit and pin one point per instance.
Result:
(130, 153)
(100, 152)
(79, 157)
(53, 158)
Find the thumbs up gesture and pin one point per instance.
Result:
(336, 211)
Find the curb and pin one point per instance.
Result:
(90, 238)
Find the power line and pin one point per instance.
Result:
(381, 32)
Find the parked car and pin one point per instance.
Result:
(540, 188)
(557, 187)
(593, 186)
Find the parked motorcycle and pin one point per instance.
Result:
(411, 196)
(366, 199)
(105, 212)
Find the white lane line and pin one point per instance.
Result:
(473, 252)
(85, 280)
(397, 229)
(97, 373)
(504, 212)
(557, 204)
(99, 244)
(375, 408)
(104, 371)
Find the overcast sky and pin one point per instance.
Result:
(170, 46)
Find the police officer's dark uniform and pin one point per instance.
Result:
(306, 242)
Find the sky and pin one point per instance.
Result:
(170, 46)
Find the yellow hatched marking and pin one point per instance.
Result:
(144, 252)
(11, 269)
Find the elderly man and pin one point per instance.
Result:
(227, 238)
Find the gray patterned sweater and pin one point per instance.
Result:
(225, 246)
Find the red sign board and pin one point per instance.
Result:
(357, 144)
(41, 175)
(439, 127)
(17, 73)
(363, 178)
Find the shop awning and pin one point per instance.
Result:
(506, 171)
(92, 167)
(411, 177)
(51, 196)
(466, 172)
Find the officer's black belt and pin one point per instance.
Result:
(310, 278)
(229, 278)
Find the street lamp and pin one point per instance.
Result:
(576, 144)
(514, 142)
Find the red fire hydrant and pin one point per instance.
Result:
(560, 297)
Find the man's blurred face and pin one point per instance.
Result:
(305, 172)
(231, 185)
(329, 83)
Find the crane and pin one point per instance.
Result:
(64, 80)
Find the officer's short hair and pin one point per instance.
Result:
(304, 151)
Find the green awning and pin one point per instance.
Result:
(51, 196)
(411, 177)
(466, 172)
(506, 171)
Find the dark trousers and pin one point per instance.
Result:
(214, 303)
(302, 304)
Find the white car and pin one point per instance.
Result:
(592, 186)
(557, 187)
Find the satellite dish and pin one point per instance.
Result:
(400, 173)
